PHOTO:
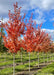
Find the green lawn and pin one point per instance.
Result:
(7, 59)
(48, 70)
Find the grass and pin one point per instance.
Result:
(49, 70)
(21, 67)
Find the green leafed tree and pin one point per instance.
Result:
(2, 48)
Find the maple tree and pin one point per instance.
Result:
(35, 39)
(28, 38)
(14, 27)
(43, 42)
(27, 42)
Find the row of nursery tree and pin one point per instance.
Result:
(23, 33)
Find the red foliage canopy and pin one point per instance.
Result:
(35, 39)
(14, 28)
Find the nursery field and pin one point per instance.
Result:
(32, 41)
(45, 67)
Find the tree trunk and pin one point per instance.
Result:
(47, 57)
(29, 62)
(38, 59)
(21, 57)
(13, 64)
(44, 57)
(50, 56)
(5, 57)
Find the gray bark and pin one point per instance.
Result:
(44, 57)
(47, 57)
(38, 59)
(21, 57)
(29, 62)
(13, 64)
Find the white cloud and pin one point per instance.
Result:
(50, 32)
(39, 21)
(26, 5)
(52, 19)
(39, 16)
(44, 4)
(47, 4)
(5, 5)
(4, 20)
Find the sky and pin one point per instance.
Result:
(43, 12)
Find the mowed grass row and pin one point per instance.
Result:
(48, 70)
(24, 58)
(17, 60)
(9, 71)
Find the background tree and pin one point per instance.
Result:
(3, 49)
(27, 41)
(43, 43)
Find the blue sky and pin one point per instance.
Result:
(43, 12)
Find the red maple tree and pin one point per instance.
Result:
(27, 41)
(14, 28)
